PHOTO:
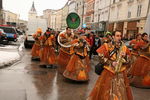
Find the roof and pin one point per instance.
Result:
(33, 8)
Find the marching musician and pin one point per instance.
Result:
(66, 50)
(47, 55)
(113, 83)
(79, 63)
(135, 41)
(36, 46)
(140, 70)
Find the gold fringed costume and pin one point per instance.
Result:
(65, 52)
(79, 64)
(47, 52)
(113, 83)
(140, 70)
(36, 46)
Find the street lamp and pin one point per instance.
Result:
(83, 12)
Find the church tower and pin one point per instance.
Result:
(32, 13)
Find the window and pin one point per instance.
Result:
(87, 19)
(8, 30)
(129, 14)
(114, 1)
(139, 10)
(131, 0)
(77, 5)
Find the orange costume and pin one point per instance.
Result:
(112, 84)
(134, 52)
(79, 63)
(36, 47)
(140, 70)
(65, 51)
(47, 55)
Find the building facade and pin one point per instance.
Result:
(65, 10)
(89, 13)
(128, 16)
(47, 15)
(1, 13)
(71, 6)
(22, 25)
(10, 18)
(101, 14)
(53, 20)
(80, 10)
(58, 20)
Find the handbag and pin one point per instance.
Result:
(99, 68)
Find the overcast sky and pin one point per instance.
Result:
(22, 7)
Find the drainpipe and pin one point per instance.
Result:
(108, 15)
(82, 13)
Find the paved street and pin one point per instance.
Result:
(25, 80)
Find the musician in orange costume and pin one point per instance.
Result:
(113, 83)
(36, 46)
(79, 64)
(140, 71)
(66, 49)
(134, 51)
(48, 56)
(134, 42)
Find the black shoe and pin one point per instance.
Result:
(49, 66)
(54, 66)
(43, 66)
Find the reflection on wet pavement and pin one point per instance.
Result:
(27, 81)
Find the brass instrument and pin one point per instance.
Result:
(119, 59)
(66, 45)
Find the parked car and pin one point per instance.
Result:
(3, 37)
(10, 31)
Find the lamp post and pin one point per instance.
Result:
(83, 11)
(108, 15)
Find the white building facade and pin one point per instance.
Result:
(128, 16)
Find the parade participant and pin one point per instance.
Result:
(107, 38)
(36, 46)
(135, 41)
(92, 42)
(79, 64)
(56, 42)
(66, 50)
(48, 57)
(140, 70)
(134, 51)
(113, 84)
(97, 44)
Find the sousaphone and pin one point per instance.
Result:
(73, 22)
